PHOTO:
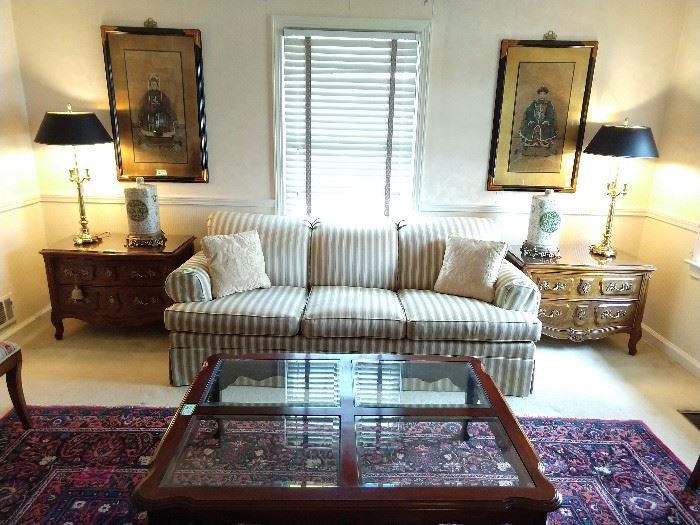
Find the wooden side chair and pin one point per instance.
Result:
(11, 364)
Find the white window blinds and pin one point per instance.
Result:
(349, 122)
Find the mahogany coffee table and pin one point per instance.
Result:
(344, 439)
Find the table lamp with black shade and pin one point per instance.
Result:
(69, 128)
(622, 142)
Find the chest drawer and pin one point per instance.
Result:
(73, 271)
(587, 314)
(133, 301)
(586, 285)
(142, 273)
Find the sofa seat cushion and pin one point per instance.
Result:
(264, 311)
(348, 311)
(434, 316)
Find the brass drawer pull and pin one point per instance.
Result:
(584, 287)
(78, 296)
(545, 285)
(624, 286)
(140, 302)
(607, 314)
(148, 274)
(551, 315)
(76, 273)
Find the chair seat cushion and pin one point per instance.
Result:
(435, 316)
(348, 311)
(264, 311)
(7, 348)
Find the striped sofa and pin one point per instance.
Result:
(354, 288)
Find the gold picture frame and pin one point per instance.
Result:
(539, 118)
(156, 100)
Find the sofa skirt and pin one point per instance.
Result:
(511, 365)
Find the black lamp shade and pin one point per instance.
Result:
(71, 129)
(623, 141)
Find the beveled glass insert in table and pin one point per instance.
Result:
(449, 452)
(239, 451)
(416, 384)
(284, 382)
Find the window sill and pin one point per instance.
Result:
(694, 267)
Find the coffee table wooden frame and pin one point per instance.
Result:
(348, 503)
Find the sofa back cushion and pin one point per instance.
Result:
(422, 246)
(354, 255)
(285, 242)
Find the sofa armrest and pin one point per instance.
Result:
(191, 281)
(514, 291)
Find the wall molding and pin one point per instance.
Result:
(9, 332)
(16, 205)
(523, 210)
(676, 353)
(63, 198)
(694, 268)
(429, 207)
(673, 220)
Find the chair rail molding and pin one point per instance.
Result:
(166, 201)
(19, 203)
(430, 207)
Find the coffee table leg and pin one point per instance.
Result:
(465, 431)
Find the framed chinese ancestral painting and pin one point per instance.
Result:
(156, 100)
(540, 114)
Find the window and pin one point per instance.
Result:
(349, 109)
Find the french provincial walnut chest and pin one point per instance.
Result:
(588, 297)
(109, 284)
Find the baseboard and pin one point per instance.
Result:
(673, 351)
(17, 327)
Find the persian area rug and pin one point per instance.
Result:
(79, 465)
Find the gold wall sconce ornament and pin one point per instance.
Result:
(620, 142)
(69, 128)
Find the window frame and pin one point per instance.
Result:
(280, 23)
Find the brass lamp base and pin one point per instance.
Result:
(85, 238)
(603, 249)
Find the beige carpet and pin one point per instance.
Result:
(105, 366)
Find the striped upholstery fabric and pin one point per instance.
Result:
(190, 282)
(285, 242)
(354, 255)
(514, 291)
(265, 311)
(344, 311)
(422, 246)
(511, 365)
(434, 316)
(7, 348)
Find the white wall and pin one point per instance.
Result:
(672, 314)
(61, 58)
(638, 60)
(21, 220)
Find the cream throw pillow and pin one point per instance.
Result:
(470, 268)
(236, 263)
